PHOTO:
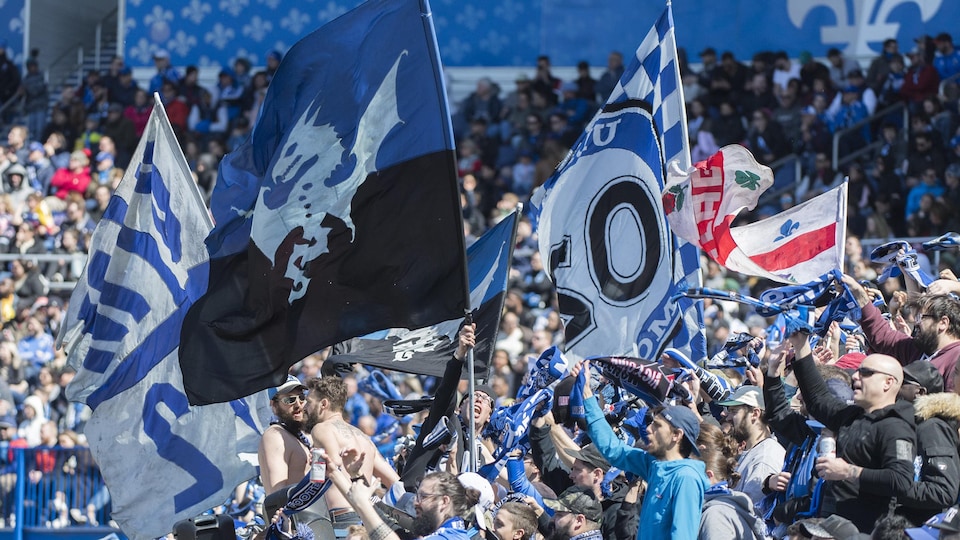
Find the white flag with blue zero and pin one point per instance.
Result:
(161, 459)
(602, 225)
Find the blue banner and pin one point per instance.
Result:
(514, 32)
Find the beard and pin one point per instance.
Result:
(739, 431)
(287, 419)
(926, 340)
(426, 523)
(310, 419)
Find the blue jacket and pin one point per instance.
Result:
(675, 489)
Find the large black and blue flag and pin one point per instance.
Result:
(341, 215)
(162, 459)
(426, 350)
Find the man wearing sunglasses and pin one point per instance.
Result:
(936, 331)
(876, 436)
(284, 450)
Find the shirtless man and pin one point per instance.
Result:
(284, 450)
(331, 432)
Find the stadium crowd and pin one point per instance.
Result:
(738, 467)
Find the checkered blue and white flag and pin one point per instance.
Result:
(602, 225)
(162, 459)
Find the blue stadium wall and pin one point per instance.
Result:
(514, 32)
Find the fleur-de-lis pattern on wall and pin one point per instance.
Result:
(513, 32)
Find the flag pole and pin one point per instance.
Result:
(472, 466)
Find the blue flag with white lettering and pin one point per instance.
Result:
(161, 459)
(341, 216)
(601, 220)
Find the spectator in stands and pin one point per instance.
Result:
(766, 138)
(676, 480)
(165, 71)
(921, 79)
(112, 74)
(17, 139)
(784, 71)
(78, 220)
(850, 113)
(561, 130)
(840, 67)
(9, 80)
(139, 111)
(515, 521)
(788, 115)
(36, 98)
(273, 63)
(947, 60)
(889, 89)
(177, 110)
(16, 185)
(544, 83)
(609, 79)
(758, 96)
(28, 283)
(728, 127)
(762, 455)
(575, 108)
(209, 118)
(40, 170)
(822, 178)
(727, 512)
(923, 154)
(586, 85)
(73, 179)
(929, 183)
(876, 441)
(937, 417)
(880, 66)
(229, 94)
(577, 514)
(727, 83)
(35, 346)
(122, 132)
(810, 71)
(34, 416)
(8, 309)
(484, 102)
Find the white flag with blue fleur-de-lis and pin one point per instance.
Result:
(800, 244)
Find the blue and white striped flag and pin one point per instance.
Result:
(602, 225)
(161, 459)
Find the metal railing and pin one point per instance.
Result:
(51, 488)
(838, 161)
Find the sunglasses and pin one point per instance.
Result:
(290, 400)
(868, 372)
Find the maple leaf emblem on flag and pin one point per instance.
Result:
(673, 199)
(748, 180)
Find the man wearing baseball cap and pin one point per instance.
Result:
(762, 456)
(284, 451)
(675, 483)
(577, 513)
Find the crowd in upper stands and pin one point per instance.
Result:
(64, 158)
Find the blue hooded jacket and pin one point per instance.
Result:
(675, 489)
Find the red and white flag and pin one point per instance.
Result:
(795, 246)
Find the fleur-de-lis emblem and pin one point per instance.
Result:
(747, 180)
(787, 229)
(859, 23)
